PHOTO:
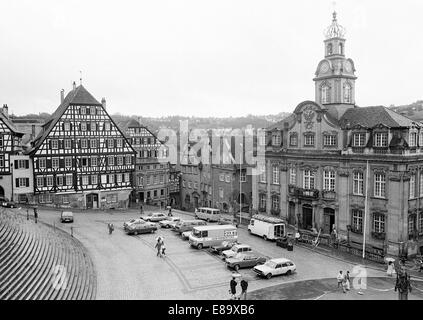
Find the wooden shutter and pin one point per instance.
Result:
(17, 182)
(27, 182)
(27, 164)
(16, 164)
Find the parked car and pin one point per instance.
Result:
(228, 220)
(244, 260)
(66, 216)
(185, 235)
(225, 245)
(140, 227)
(169, 222)
(238, 248)
(275, 267)
(127, 223)
(187, 225)
(7, 203)
(155, 217)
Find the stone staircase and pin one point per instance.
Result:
(38, 262)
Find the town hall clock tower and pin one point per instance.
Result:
(335, 75)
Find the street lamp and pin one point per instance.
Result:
(240, 186)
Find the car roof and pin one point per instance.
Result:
(211, 209)
(280, 260)
(215, 227)
(67, 212)
(239, 245)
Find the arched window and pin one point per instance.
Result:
(325, 94)
(330, 49)
(347, 93)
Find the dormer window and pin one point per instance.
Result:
(359, 139)
(276, 139)
(412, 140)
(67, 126)
(293, 140)
(329, 140)
(309, 140)
(381, 139)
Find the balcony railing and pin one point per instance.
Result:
(303, 193)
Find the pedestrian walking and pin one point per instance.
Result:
(340, 277)
(163, 250)
(141, 209)
(232, 290)
(344, 284)
(347, 280)
(158, 246)
(170, 211)
(35, 214)
(244, 286)
(111, 227)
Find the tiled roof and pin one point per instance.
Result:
(78, 96)
(370, 117)
(10, 124)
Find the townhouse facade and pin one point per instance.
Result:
(81, 158)
(335, 165)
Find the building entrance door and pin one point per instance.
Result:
(92, 201)
(291, 213)
(329, 220)
(1, 192)
(141, 194)
(307, 216)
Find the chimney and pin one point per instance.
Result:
(6, 110)
(74, 85)
(103, 102)
(62, 95)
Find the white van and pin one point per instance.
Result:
(208, 214)
(267, 227)
(207, 236)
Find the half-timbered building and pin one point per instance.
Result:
(81, 158)
(10, 144)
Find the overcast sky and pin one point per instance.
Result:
(203, 58)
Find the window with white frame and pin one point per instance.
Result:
(107, 126)
(228, 178)
(276, 139)
(68, 143)
(22, 182)
(69, 180)
(49, 181)
(94, 161)
(357, 220)
(329, 140)
(40, 181)
(93, 143)
(128, 159)
(263, 201)
(329, 180)
(380, 184)
(347, 93)
(308, 179)
(110, 143)
(119, 160)
(66, 126)
(359, 139)
(412, 185)
(243, 177)
(111, 160)
(119, 143)
(111, 178)
(55, 163)
(83, 126)
(293, 176)
(275, 174)
(411, 223)
(83, 110)
(412, 140)
(309, 140)
(54, 144)
(119, 178)
(378, 222)
(85, 180)
(59, 180)
(381, 139)
(84, 143)
(94, 179)
(127, 177)
(293, 139)
(222, 177)
(325, 94)
(358, 183)
(41, 163)
(104, 178)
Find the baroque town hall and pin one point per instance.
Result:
(334, 165)
(81, 156)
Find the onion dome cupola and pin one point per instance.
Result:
(335, 74)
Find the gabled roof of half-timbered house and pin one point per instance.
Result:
(78, 96)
